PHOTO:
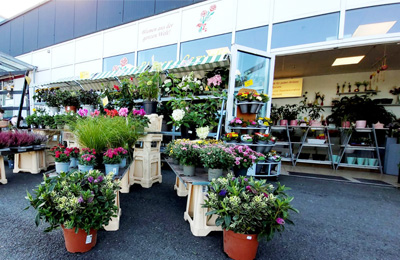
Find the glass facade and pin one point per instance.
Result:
(200, 47)
(160, 54)
(375, 20)
(309, 30)
(256, 38)
(119, 61)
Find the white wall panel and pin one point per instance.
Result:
(91, 66)
(63, 54)
(160, 31)
(120, 40)
(351, 4)
(221, 21)
(26, 58)
(43, 76)
(285, 10)
(252, 13)
(62, 72)
(42, 59)
(89, 48)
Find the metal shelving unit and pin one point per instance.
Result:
(288, 143)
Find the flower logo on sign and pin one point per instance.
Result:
(204, 17)
(124, 63)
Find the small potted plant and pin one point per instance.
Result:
(236, 122)
(231, 137)
(124, 155)
(74, 156)
(246, 139)
(80, 202)
(89, 99)
(251, 124)
(111, 160)
(62, 158)
(263, 139)
(51, 97)
(187, 154)
(216, 159)
(245, 158)
(264, 123)
(86, 162)
(149, 87)
(247, 210)
(69, 99)
(243, 101)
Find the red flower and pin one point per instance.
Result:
(116, 87)
(212, 8)
(131, 79)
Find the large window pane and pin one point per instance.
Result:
(254, 38)
(199, 47)
(119, 61)
(309, 30)
(372, 21)
(161, 54)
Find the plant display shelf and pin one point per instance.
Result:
(303, 143)
(373, 148)
(283, 143)
(360, 92)
(268, 172)
(195, 214)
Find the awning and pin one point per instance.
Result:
(10, 66)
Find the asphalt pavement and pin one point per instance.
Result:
(337, 220)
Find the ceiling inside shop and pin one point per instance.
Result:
(320, 63)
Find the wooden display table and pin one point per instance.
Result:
(195, 214)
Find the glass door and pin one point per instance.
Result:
(250, 69)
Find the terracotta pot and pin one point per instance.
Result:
(70, 109)
(79, 242)
(240, 246)
(361, 124)
(283, 122)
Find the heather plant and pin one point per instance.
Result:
(6, 138)
(22, 139)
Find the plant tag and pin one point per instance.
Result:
(249, 238)
(248, 83)
(88, 239)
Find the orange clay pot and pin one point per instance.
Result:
(240, 246)
(77, 242)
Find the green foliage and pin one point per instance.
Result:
(186, 153)
(216, 157)
(247, 206)
(75, 200)
(149, 85)
(289, 112)
(88, 97)
(68, 98)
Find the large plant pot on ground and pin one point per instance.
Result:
(150, 107)
(240, 246)
(79, 242)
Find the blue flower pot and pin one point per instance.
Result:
(112, 168)
(85, 168)
(74, 162)
(62, 167)
(123, 163)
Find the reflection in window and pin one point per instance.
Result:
(372, 21)
(309, 30)
(161, 54)
(119, 62)
(254, 38)
(199, 47)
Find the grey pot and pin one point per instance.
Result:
(188, 170)
(214, 174)
(255, 107)
(244, 108)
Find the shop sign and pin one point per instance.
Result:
(284, 88)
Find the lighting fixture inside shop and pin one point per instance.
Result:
(347, 60)
(373, 29)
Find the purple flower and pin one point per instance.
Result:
(90, 200)
(100, 178)
(233, 178)
(245, 179)
(222, 193)
(96, 180)
(248, 188)
(90, 179)
(80, 200)
(280, 221)
(265, 195)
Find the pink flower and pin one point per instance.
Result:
(212, 8)
(83, 112)
(280, 221)
(123, 112)
(95, 113)
(203, 13)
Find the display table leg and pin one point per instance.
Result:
(180, 188)
(3, 178)
(32, 162)
(195, 214)
(113, 225)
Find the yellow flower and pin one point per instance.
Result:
(266, 123)
(34, 110)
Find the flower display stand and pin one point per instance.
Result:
(147, 161)
(3, 179)
(113, 225)
(181, 189)
(33, 162)
(155, 123)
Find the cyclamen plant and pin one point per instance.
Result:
(122, 152)
(87, 159)
(62, 156)
(111, 156)
(74, 152)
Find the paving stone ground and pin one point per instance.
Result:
(336, 221)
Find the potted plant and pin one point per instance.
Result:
(87, 161)
(264, 123)
(247, 210)
(51, 97)
(187, 155)
(243, 101)
(245, 158)
(123, 154)
(257, 101)
(263, 139)
(246, 139)
(111, 160)
(62, 158)
(289, 113)
(69, 99)
(89, 99)
(216, 159)
(80, 202)
(231, 137)
(31, 120)
(74, 156)
(149, 87)
(236, 122)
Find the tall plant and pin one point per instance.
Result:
(150, 82)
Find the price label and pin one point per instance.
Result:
(88, 239)
(248, 83)
(104, 101)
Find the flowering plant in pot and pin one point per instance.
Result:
(236, 122)
(247, 210)
(123, 154)
(62, 158)
(216, 158)
(245, 157)
(112, 160)
(149, 87)
(248, 139)
(86, 162)
(230, 137)
(80, 202)
(187, 154)
(242, 101)
(74, 155)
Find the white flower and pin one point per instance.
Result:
(166, 89)
(201, 87)
(198, 82)
(202, 132)
(259, 98)
(157, 66)
(178, 114)
(185, 88)
(167, 81)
